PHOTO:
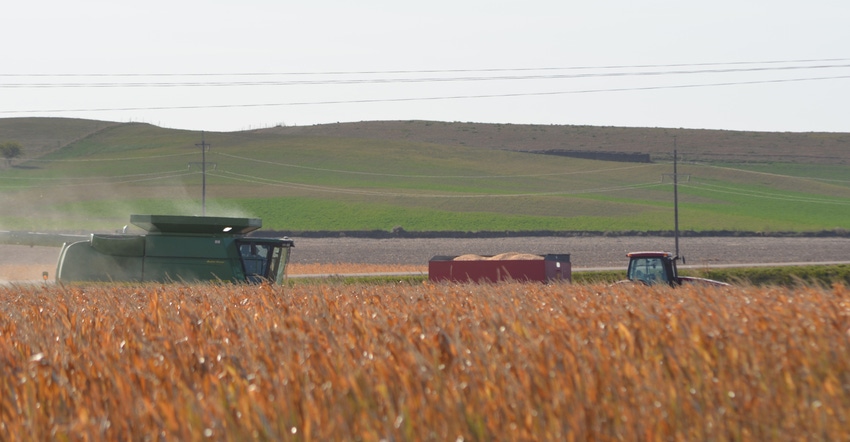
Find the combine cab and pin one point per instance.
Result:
(175, 248)
(660, 268)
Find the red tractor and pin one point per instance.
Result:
(660, 268)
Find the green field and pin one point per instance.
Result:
(95, 175)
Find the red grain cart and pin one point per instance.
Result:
(504, 267)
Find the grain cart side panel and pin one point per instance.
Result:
(440, 268)
(486, 271)
(550, 267)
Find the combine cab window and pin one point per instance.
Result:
(648, 270)
(263, 260)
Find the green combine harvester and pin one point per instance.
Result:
(174, 249)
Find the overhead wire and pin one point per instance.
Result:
(383, 174)
(433, 98)
(341, 190)
(96, 160)
(545, 73)
(415, 80)
(827, 63)
(102, 177)
(110, 181)
(132, 178)
(758, 172)
(136, 178)
(423, 71)
(764, 195)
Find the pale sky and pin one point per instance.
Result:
(225, 65)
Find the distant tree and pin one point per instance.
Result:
(10, 150)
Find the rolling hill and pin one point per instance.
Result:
(693, 144)
(424, 176)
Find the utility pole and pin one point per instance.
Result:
(676, 196)
(204, 147)
(675, 176)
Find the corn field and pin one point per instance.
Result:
(424, 362)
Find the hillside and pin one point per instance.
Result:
(423, 176)
(693, 144)
(40, 136)
(43, 135)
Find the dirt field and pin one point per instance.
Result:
(585, 252)
(28, 263)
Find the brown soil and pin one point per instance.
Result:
(586, 252)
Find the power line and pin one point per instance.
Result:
(758, 172)
(765, 195)
(91, 178)
(343, 190)
(425, 71)
(352, 172)
(437, 98)
(136, 178)
(95, 160)
(110, 181)
(415, 80)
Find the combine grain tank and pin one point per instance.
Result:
(503, 267)
(175, 248)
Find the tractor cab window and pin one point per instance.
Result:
(649, 270)
(264, 259)
(255, 261)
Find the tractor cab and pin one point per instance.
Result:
(264, 259)
(653, 268)
(660, 268)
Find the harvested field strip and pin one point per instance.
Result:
(340, 268)
(24, 272)
(443, 362)
(33, 272)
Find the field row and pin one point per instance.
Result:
(423, 361)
